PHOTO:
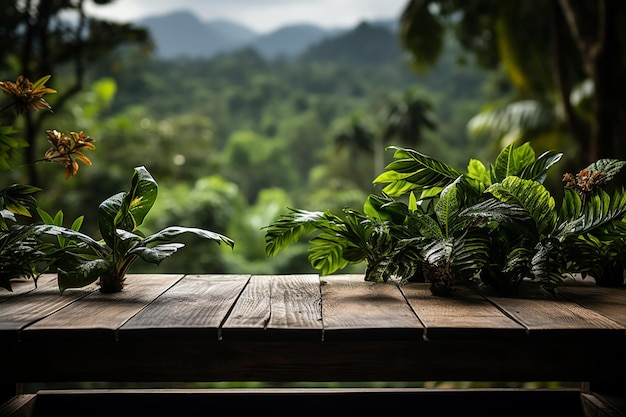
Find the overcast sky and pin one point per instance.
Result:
(259, 15)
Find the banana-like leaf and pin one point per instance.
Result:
(531, 195)
(290, 227)
(511, 161)
(414, 171)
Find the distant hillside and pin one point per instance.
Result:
(289, 41)
(183, 34)
(366, 44)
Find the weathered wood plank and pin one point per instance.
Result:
(195, 306)
(18, 311)
(353, 308)
(100, 315)
(610, 302)
(24, 285)
(279, 307)
(466, 315)
(543, 315)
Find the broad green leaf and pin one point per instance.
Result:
(511, 161)
(384, 208)
(447, 206)
(477, 171)
(157, 253)
(539, 169)
(531, 195)
(426, 225)
(172, 232)
(412, 202)
(326, 253)
(83, 272)
(107, 212)
(142, 195)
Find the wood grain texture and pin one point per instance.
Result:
(544, 315)
(197, 305)
(17, 312)
(610, 302)
(24, 285)
(100, 315)
(355, 308)
(275, 306)
(303, 328)
(465, 315)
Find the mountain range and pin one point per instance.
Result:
(183, 34)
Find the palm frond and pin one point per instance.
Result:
(290, 227)
(414, 171)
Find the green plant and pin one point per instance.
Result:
(22, 252)
(86, 260)
(492, 227)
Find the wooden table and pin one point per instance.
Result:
(175, 328)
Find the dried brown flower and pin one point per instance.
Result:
(584, 181)
(26, 94)
(66, 149)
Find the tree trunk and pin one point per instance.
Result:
(601, 57)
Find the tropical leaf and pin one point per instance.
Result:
(157, 253)
(75, 272)
(172, 232)
(447, 206)
(538, 170)
(414, 171)
(326, 253)
(599, 210)
(531, 195)
(511, 161)
(476, 171)
(290, 227)
(107, 212)
(491, 211)
(611, 167)
(137, 202)
(18, 199)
